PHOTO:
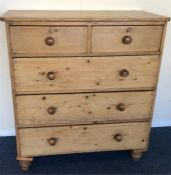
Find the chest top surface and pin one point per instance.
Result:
(46, 15)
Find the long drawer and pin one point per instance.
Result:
(48, 39)
(87, 138)
(126, 38)
(85, 74)
(84, 108)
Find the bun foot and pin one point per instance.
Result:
(136, 154)
(25, 163)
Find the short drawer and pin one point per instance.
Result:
(84, 108)
(48, 39)
(87, 138)
(126, 38)
(85, 74)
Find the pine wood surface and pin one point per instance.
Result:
(109, 38)
(87, 138)
(84, 71)
(50, 15)
(67, 39)
(77, 74)
(70, 109)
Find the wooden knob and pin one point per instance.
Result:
(127, 40)
(124, 73)
(121, 107)
(52, 141)
(50, 41)
(51, 75)
(51, 110)
(118, 137)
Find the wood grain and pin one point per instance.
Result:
(109, 38)
(67, 39)
(158, 74)
(83, 108)
(60, 15)
(86, 23)
(7, 26)
(64, 95)
(85, 138)
(77, 74)
(91, 54)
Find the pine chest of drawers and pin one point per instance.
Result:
(83, 81)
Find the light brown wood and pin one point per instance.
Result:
(85, 138)
(66, 68)
(83, 108)
(104, 39)
(12, 85)
(100, 54)
(109, 38)
(87, 23)
(136, 154)
(158, 74)
(25, 162)
(83, 74)
(50, 15)
(66, 39)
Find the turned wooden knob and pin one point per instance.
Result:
(124, 73)
(51, 110)
(127, 40)
(118, 137)
(50, 41)
(52, 141)
(121, 107)
(51, 75)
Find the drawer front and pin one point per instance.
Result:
(126, 38)
(85, 74)
(87, 138)
(48, 39)
(84, 108)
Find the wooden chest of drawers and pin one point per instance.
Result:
(83, 81)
